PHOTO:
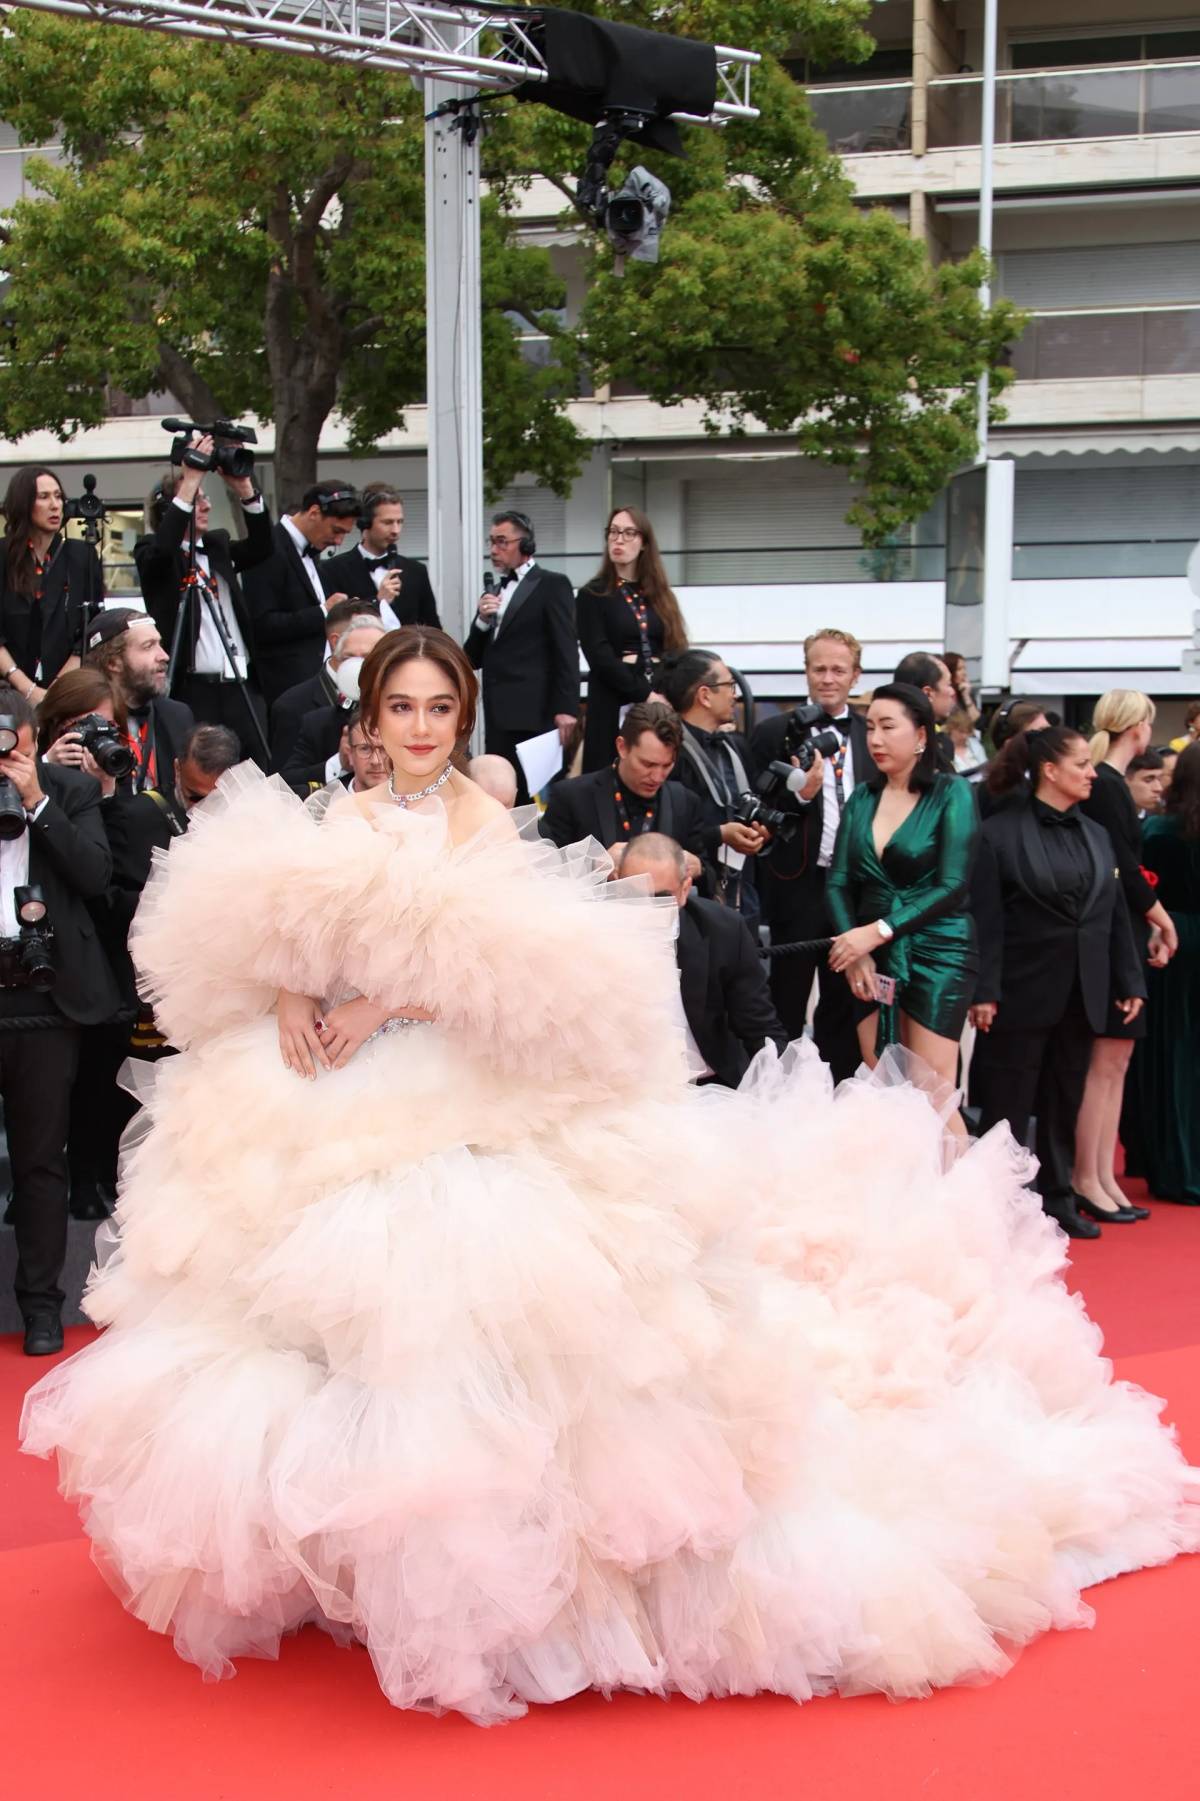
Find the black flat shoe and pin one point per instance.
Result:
(1063, 1214)
(43, 1335)
(1119, 1216)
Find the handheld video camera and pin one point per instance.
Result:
(229, 454)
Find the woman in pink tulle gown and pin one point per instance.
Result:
(444, 1314)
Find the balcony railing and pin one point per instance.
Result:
(1089, 343)
(1118, 100)
(1047, 560)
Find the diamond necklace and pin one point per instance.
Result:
(406, 800)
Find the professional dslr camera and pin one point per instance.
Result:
(782, 776)
(104, 743)
(12, 807)
(25, 960)
(752, 809)
(229, 454)
(801, 742)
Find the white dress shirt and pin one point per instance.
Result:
(379, 575)
(509, 589)
(831, 817)
(14, 874)
(210, 658)
(310, 563)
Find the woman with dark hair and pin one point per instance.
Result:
(626, 617)
(1161, 1103)
(1056, 954)
(1123, 723)
(49, 585)
(450, 1317)
(897, 890)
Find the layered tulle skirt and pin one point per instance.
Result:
(528, 1393)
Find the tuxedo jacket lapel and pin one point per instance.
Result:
(521, 594)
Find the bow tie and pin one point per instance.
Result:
(1052, 816)
(376, 562)
(507, 579)
(840, 724)
(311, 551)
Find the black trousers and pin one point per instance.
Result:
(221, 703)
(37, 1069)
(792, 977)
(1016, 1074)
(504, 744)
(100, 1110)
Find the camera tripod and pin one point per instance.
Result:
(201, 589)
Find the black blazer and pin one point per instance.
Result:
(287, 618)
(292, 709)
(319, 736)
(73, 579)
(789, 881)
(173, 725)
(162, 566)
(70, 858)
(414, 605)
(723, 983)
(607, 632)
(584, 806)
(1031, 950)
(530, 667)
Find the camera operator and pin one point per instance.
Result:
(374, 570)
(320, 690)
(204, 677)
(53, 979)
(722, 984)
(635, 795)
(313, 757)
(285, 594)
(792, 879)
(46, 582)
(716, 765)
(125, 645)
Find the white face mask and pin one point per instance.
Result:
(346, 676)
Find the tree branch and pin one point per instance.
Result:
(179, 378)
(362, 334)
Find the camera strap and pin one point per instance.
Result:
(706, 773)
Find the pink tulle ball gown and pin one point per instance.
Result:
(511, 1356)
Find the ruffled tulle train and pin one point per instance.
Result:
(531, 1385)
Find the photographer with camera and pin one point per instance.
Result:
(125, 645)
(182, 563)
(715, 763)
(286, 595)
(374, 570)
(54, 979)
(49, 585)
(827, 744)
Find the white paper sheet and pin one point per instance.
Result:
(540, 758)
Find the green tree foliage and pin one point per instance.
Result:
(246, 230)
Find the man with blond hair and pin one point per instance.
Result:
(792, 878)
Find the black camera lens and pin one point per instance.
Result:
(37, 965)
(12, 810)
(233, 459)
(625, 216)
(104, 743)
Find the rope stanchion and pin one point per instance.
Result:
(792, 950)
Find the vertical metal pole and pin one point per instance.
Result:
(454, 370)
(987, 159)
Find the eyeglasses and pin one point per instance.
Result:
(503, 542)
(623, 531)
(729, 684)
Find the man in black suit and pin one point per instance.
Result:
(722, 983)
(285, 594)
(320, 735)
(617, 805)
(127, 646)
(315, 691)
(374, 570)
(63, 852)
(792, 877)
(921, 669)
(205, 680)
(523, 641)
(1055, 942)
(716, 764)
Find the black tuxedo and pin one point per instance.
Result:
(318, 738)
(70, 860)
(584, 806)
(791, 886)
(287, 617)
(48, 631)
(162, 566)
(350, 574)
(530, 665)
(1050, 959)
(726, 997)
(315, 693)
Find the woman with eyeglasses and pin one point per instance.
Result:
(627, 618)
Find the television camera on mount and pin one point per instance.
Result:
(229, 454)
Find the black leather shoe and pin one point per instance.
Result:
(92, 1200)
(1117, 1216)
(1063, 1214)
(1137, 1212)
(43, 1335)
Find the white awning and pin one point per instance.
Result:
(1094, 443)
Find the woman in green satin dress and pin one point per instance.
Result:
(1162, 1112)
(897, 889)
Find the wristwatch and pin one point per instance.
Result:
(886, 932)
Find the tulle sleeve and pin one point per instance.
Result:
(523, 947)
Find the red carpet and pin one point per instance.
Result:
(99, 1706)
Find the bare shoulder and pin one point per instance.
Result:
(469, 809)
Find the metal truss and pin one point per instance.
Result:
(485, 47)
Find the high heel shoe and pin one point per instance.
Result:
(1120, 1216)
